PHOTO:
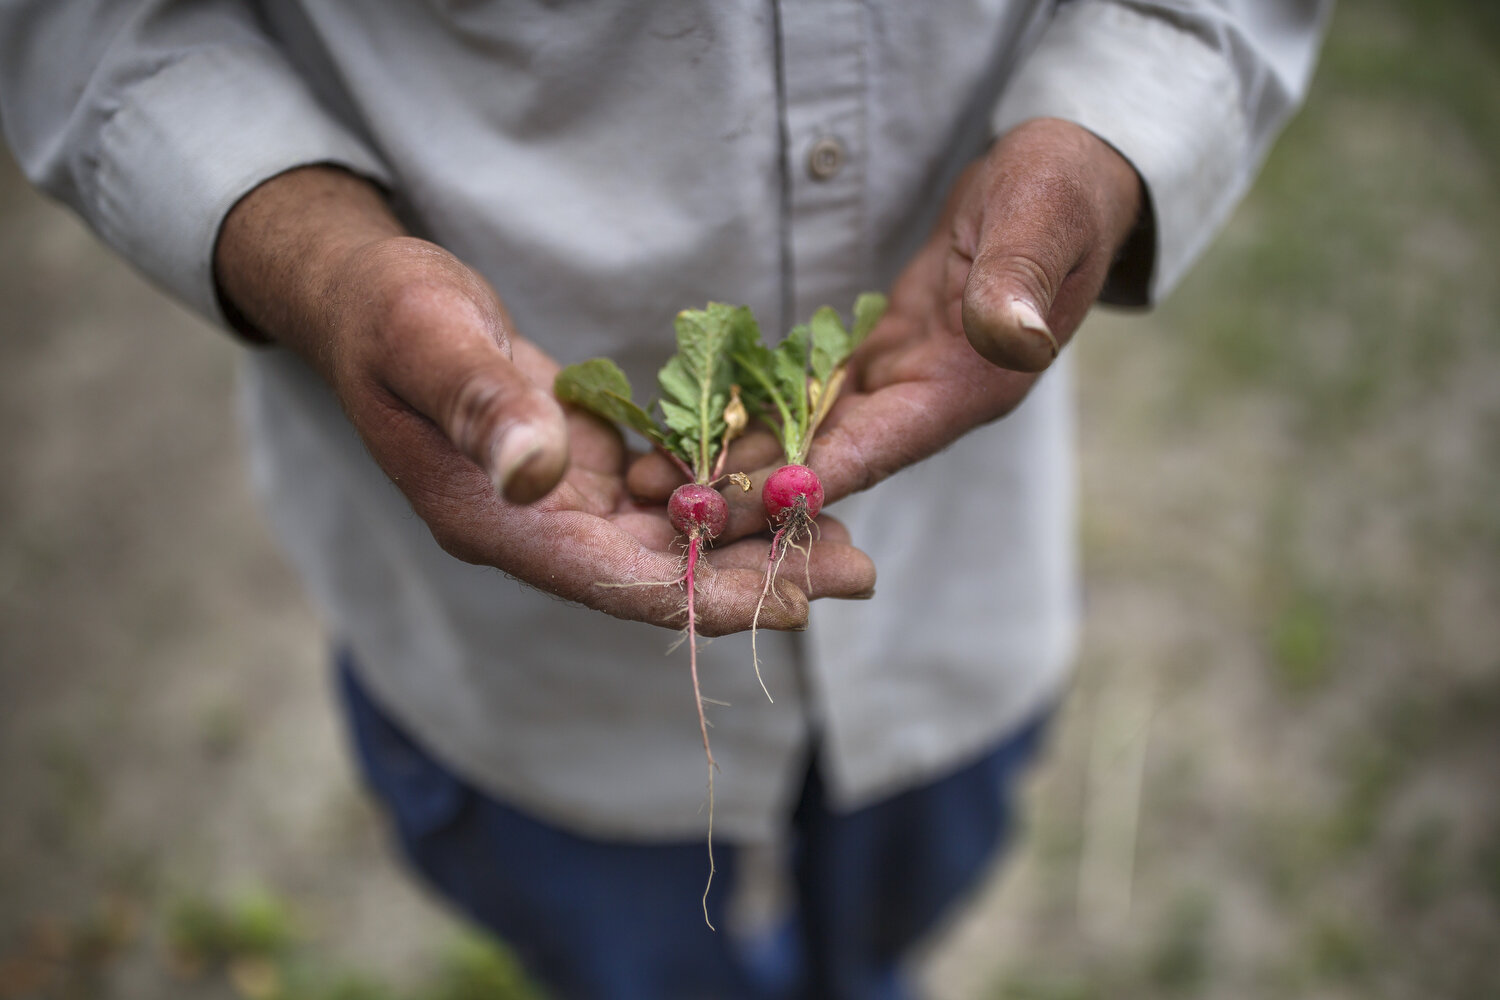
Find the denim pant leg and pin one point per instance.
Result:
(590, 919)
(599, 920)
(873, 883)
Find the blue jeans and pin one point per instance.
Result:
(597, 920)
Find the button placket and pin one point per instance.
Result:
(826, 93)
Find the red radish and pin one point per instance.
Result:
(792, 496)
(793, 388)
(694, 507)
(698, 414)
(700, 512)
(719, 375)
(789, 487)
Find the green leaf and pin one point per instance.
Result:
(790, 358)
(774, 383)
(868, 309)
(718, 347)
(695, 382)
(830, 343)
(598, 385)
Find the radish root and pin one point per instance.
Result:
(797, 532)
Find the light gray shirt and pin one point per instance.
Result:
(605, 165)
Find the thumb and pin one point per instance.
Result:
(512, 429)
(463, 381)
(1050, 209)
(1005, 299)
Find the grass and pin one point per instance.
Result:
(254, 945)
(1346, 273)
(1320, 530)
(1297, 544)
(1182, 957)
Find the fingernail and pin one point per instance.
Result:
(518, 445)
(863, 595)
(1027, 318)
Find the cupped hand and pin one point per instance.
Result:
(1019, 256)
(457, 410)
(452, 401)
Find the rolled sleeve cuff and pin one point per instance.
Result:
(1168, 102)
(189, 140)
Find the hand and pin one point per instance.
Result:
(452, 404)
(1020, 254)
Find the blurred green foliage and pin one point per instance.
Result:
(1183, 956)
(476, 969)
(256, 924)
(258, 945)
(1350, 317)
(1355, 233)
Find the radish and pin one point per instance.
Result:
(701, 413)
(698, 509)
(790, 488)
(720, 367)
(793, 387)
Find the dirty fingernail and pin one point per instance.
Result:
(1027, 318)
(518, 445)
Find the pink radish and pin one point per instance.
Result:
(793, 388)
(698, 509)
(699, 512)
(792, 487)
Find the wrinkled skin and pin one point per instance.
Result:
(1037, 221)
(456, 407)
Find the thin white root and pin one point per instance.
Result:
(711, 869)
(789, 542)
(813, 534)
(799, 532)
(688, 577)
(755, 620)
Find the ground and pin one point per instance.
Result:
(1273, 777)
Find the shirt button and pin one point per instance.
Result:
(825, 158)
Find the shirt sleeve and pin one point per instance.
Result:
(152, 119)
(1191, 92)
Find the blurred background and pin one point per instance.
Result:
(1276, 775)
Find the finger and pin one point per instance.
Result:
(820, 567)
(735, 600)
(1034, 246)
(747, 510)
(629, 567)
(592, 562)
(831, 529)
(652, 477)
(730, 579)
(879, 434)
(1002, 313)
(450, 367)
(825, 529)
(1025, 248)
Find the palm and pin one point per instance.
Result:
(586, 540)
(916, 384)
